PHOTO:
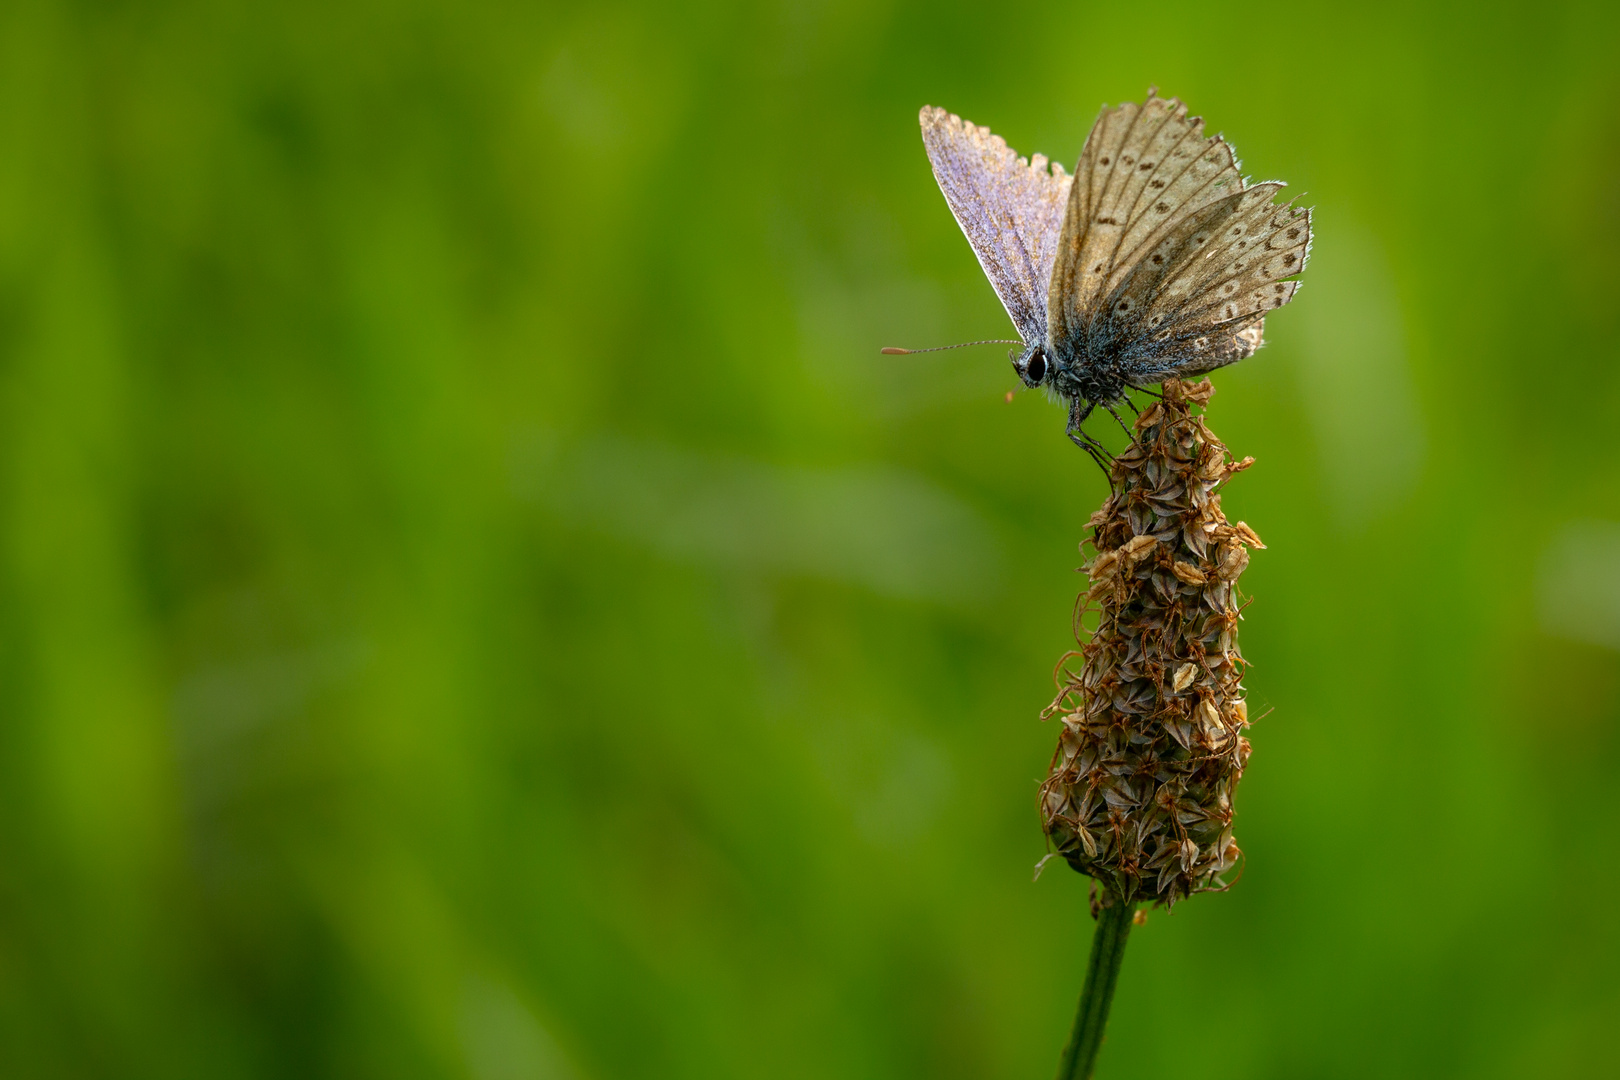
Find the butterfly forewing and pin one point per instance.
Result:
(1089, 224)
(1144, 168)
(1195, 173)
(1161, 183)
(1152, 130)
(1010, 209)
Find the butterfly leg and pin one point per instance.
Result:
(1077, 416)
(1097, 455)
(1079, 409)
(1122, 425)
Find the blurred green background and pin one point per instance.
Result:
(474, 603)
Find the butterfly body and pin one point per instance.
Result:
(1074, 369)
(1156, 259)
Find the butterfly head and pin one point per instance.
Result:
(1032, 364)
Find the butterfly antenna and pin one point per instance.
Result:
(890, 350)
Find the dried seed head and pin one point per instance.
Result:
(1140, 791)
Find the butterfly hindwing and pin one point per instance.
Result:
(1258, 247)
(1238, 264)
(1011, 210)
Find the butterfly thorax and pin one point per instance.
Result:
(1076, 373)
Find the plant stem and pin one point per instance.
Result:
(1102, 972)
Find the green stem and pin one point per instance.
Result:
(1102, 972)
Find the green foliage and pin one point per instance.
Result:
(474, 603)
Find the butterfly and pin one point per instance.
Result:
(1156, 259)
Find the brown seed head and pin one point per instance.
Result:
(1139, 795)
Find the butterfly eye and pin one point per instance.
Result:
(1037, 368)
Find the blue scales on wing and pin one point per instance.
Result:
(1010, 208)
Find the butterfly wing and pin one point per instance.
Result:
(1167, 259)
(1010, 209)
(1238, 264)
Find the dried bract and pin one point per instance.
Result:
(1140, 790)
